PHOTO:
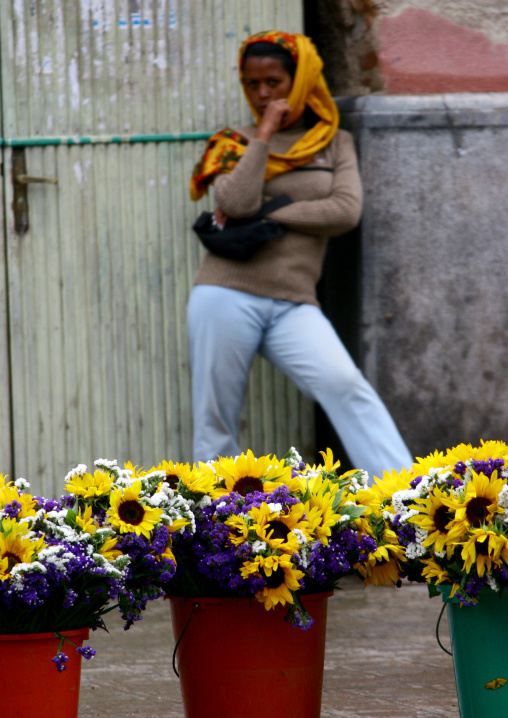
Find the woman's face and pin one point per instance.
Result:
(265, 80)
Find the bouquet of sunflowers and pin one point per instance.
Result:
(62, 562)
(270, 529)
(446, 520)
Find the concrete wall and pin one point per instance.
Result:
(417, 47)
(433, 259)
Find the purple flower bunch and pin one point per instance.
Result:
(65, 562)
(270, 530)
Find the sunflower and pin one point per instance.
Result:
(383, 565)
(15, 547)
(239, 529)
(319, 508)
(85, 521)
(329, 463)
(484, 548)
(198, 481)
(90, 485)
(9, 493)
(435, 515)
(129, 515)
(136, 472)
(487, 450)
(434, 570)
(280, 576)
(422, 466)
(246, 473)
(381, 492)
(276, 528)
(108, 549)
(478, 505)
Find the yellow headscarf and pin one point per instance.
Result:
(309, 87)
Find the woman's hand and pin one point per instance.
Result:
(219, 218)
(272, 120)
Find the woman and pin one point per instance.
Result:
(268, 304)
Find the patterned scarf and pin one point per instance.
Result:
(309, 87)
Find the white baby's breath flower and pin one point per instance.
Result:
(301, 537)
(502, 497)
(79, 470)
(491, 582)
(204, 502)
(107, 463)
(293, 458)
(157, 499)
(20, 569)
(258, 546)
(275, 508)
(21, 484)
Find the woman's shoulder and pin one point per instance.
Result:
(341, 146)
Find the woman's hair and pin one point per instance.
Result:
(270, 49)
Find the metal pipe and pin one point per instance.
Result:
(103, 139)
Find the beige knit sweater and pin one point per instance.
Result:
(325, 203)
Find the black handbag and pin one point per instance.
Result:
(241, 238)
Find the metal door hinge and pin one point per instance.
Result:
(21, 181)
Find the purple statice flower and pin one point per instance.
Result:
(468, 595)
(487, 467)
(460, 468)
(299, 618)
(406, 533)
(51, 504)
(366, 546)
(160, 539)
(133, 545)
(501, 573)
(86, 651)
(70, 599)
(12, 509)
(414, 483)
(60, 660)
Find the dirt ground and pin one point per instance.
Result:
(380, 639)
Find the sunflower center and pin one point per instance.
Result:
(280, 530)
(275, 580)
(12, 560)
(482, 548)
(442, 517)
(131, 512)
(476, 511)
(247, 484)
(172, 480)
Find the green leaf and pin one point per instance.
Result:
(432, 590)
(70, 519)
(353, 511)
(336, 501)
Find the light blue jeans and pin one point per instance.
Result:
(228, 327)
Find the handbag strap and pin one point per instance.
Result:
(275, 203)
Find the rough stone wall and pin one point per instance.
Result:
(417, 47)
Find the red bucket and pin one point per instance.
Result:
(32, 686)
(238, 659)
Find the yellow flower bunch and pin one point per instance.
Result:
(447, 518)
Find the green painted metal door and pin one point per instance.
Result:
(109, 101)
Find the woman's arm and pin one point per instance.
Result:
(240, 193)
(341, 210)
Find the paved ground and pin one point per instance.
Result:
(380, 639)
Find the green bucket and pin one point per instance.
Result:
(479, 636)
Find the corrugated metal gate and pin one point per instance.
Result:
(113, 100)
